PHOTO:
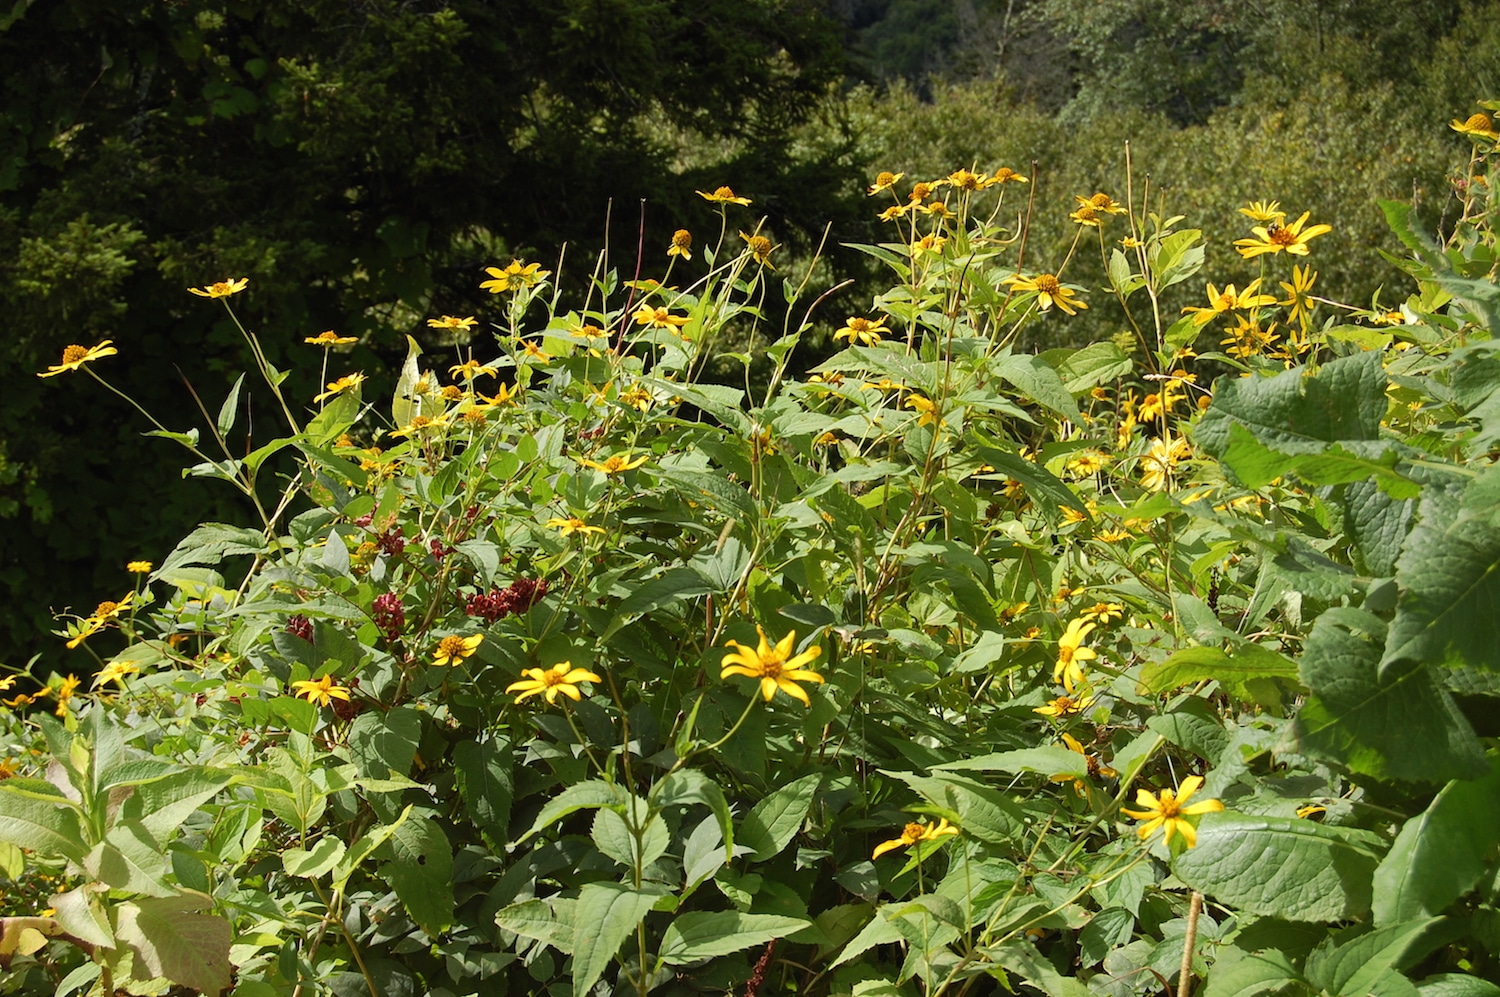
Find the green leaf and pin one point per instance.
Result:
(606, 914)
(313, 862)
(211, 543)
(1246, 974)
(1257, 465)
(38, 826)
(1400, 725)
(687, 786)
(672, 585)
(1194, 726)
(405, 404)
(1441, 853)
(335, 419)
(227, 411)
(483, 772)
(774, 821)
(579, 796)
(384, 743)
(171, 939)
(613, 837)
(1024, 959)
(163, 804)
(1296, 413)
(128, 859)
(1457, 985)
(1046, 760)
(1041, 485)
(1039, 381)
(1108, 929)
(1280, 866)
(549, 921)
(985, 813)
(421, 873)
(1195, 664)
(1449, 574)
(1095, 364)
(1367, 963)
(702, 935)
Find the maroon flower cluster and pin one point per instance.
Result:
(517, 597)
(391, 543)
(300, 626)
(439, 549)
(389, 615)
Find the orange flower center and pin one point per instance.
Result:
(421, 421)
(452, 647)
(1048, 284)
(913, 832)
(1003, 174)
(552, 677)
(106, 608)
(885, 178)
(1087, 213)
(1101, 200)
(1283, 237)
(682, 239)
(724, 192)
(760, 245)
(921, 192)
(73, 354)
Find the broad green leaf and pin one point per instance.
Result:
(1111, 927)
(227, 412)
(687, 786)
(605, 915)
(613, 837)
(1257, 465)
(1040, 484)
(1378, 525)
(1296, 413)
(1282, 867)
(981, 811)
(879, 931)
(421, 873)
(672, 585)
(405, 403)
(1046, 760)
(171, 939)
(385, 743)
(1025, 960)
(1449, 573)
(1095, 364)
(128, 859)
(314, 862)
(1400, 725)
(702, 935)
(774, 821)
(1195, 664)
(1441, 853)
(163, 804)
(1039, 382)
(1457, 985)
(211, 543)
(549, 921)
(83, 916)
(579, 796)
(38, 826)
(1249, 974)
(336, 418)
(1368, 963)
(483, 772)
(1194, 726)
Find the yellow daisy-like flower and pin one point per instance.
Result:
(1275, 238)
(866, 332)
(885, 180)
(1086, 214)
(638, 398)
(452, 322)
(346, 383)
(1007, 175)
(65, 692)
(535, 352)
(760, 248)
(76, 356)
(724, 195)
(454, 648)
(1167, 811)
(139, 567)
(616, 464)
(924, 407)
(1086, 463)
(421, 424)
(1071, 654)
(470, 369)
(1478, 125)
(681, 244)
(1049, 291)
(1064, 706)
(914, 834)
(561, 679)
(659, 318)
(330, 338)
(1247, 338)
(929, 244)
(514, 277)
(1161, 462)
(320, 691)
(1299, 293)
(1096, 768)
(115, 672)
(569, 526)
(774, 666)
(968, 180)
(1100, 202)
(1103, 612)
(920, 191)
(892, 213)
(222, 288)
(1263, 211)
(1228, 300)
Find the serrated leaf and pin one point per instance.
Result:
(421, 873)
(1283, 867)
(1249, 974)
(1046, 760)
(1194, 664)
(774, 821)
(483, 773)
(45, 828)
(605, 915)
(1296, 413)
(579, 796)
(702, 935)
(171, 939)
(1365, 964)
(384, 743)
(549, 921)
(163, 804)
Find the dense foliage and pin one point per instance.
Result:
(944, 667)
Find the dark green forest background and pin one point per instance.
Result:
(361, 161)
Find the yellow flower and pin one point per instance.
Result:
(1299, 294)
(1064, 706)
(760, 248)
(1478, 125)
(1263, 211)
(940, 209)
(452, 322)
(139, 567)
(1100, 202)
(1161, 462)
(659, 318)
(330, 338)
(1007, 175)
(76, 356)
(1103, 612)
(1049, 291)
(927, 411)
(222, 288)
(504, 395)
(321, 691)
(421, 424)
(681, 244)
(515, 276)
(638, 398)
(913, 834)
(345, 383)
(929, 244)
(1096, 768)
(65, 692)
(968, 180)
(885, 180)
(1247, 338)
(1086, 463)
(724, 195)
(1086, 214)
(1228, 300)
(571, 525)
(615, 464)
(862, 330)
(535, 352)
(1071, 654)
(1168, 811)
(1276, 237)
(470, 369)
(560, 678)
(774, 666)
(892, 213)
(453, 649)
(920, 191)
(115, 672)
